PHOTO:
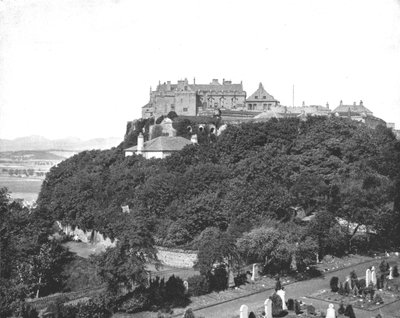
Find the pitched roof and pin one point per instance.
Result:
(163, 144)
(346, 109)
(217, 87)
(259, 94)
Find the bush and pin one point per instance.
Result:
(354, 279)
(341, 309)
(334, 284)
(378, 299)
(341, 290)
(240, 279)
(135, 302)
(347, 289)
(290, 304)
(276, 304)
(175, 291)
(198, 285)
(349, 312)
(218, 278)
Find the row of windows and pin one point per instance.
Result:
(264, 97)
(254, 106)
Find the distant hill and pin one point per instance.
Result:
(72, 143)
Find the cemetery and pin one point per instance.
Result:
(378, 288)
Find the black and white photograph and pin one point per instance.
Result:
(199, 159)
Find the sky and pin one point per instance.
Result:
(84, 68)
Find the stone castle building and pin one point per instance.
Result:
(194, 99)
(261, 101)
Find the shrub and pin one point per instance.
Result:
(175, 291)
(362, 284)
(341, 309)
(334, 284)
(240, 279)
(341, 290)
(354, 279)
(218, 278)
(135, 302)
(349, 312)
(276, 304)
(198, 285)
(378, 299)
(347, 289)
(297, 309)
(290, 304)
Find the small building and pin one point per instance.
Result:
(358, 113)
(159, 147)
(261, 100)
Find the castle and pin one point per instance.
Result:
(230, 101)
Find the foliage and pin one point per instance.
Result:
(251, 173)
(123, 267)
(216, 247)
(334, 284)
(198, 285)
(276, 304)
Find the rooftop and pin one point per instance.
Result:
(163, 144)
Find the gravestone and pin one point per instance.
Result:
(186, 285)
(231, 279)
(244, 311)
(290, 304)
(281, 293)
(373, 276)
(367, 277)
(268, 308)
(330, 312)
(254, 276)
(390, 273)
(297, 308)
(355, 291)
(310, 310)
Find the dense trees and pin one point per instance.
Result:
(31, 263)
(252, 174)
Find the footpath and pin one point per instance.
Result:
(227, 303)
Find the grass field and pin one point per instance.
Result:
(22, 188)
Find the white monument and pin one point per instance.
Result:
(281, 293)
(268, 308)
(244, 311)
(255, 272)
(330, 312)
(367, 277)
(373, 276)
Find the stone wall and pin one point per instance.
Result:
(176, 257)
(93, 237)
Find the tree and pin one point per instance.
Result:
(216, 247)
(124, 266)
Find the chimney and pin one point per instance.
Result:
(304, 103)
(361, 103)
(327, 105)
(341, 103)
(193, 139)
(194, 80)
(140, 143)
(354, 104)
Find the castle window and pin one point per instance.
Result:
(265, 97)
(172, 106)
(185, 109)
(256, 97)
